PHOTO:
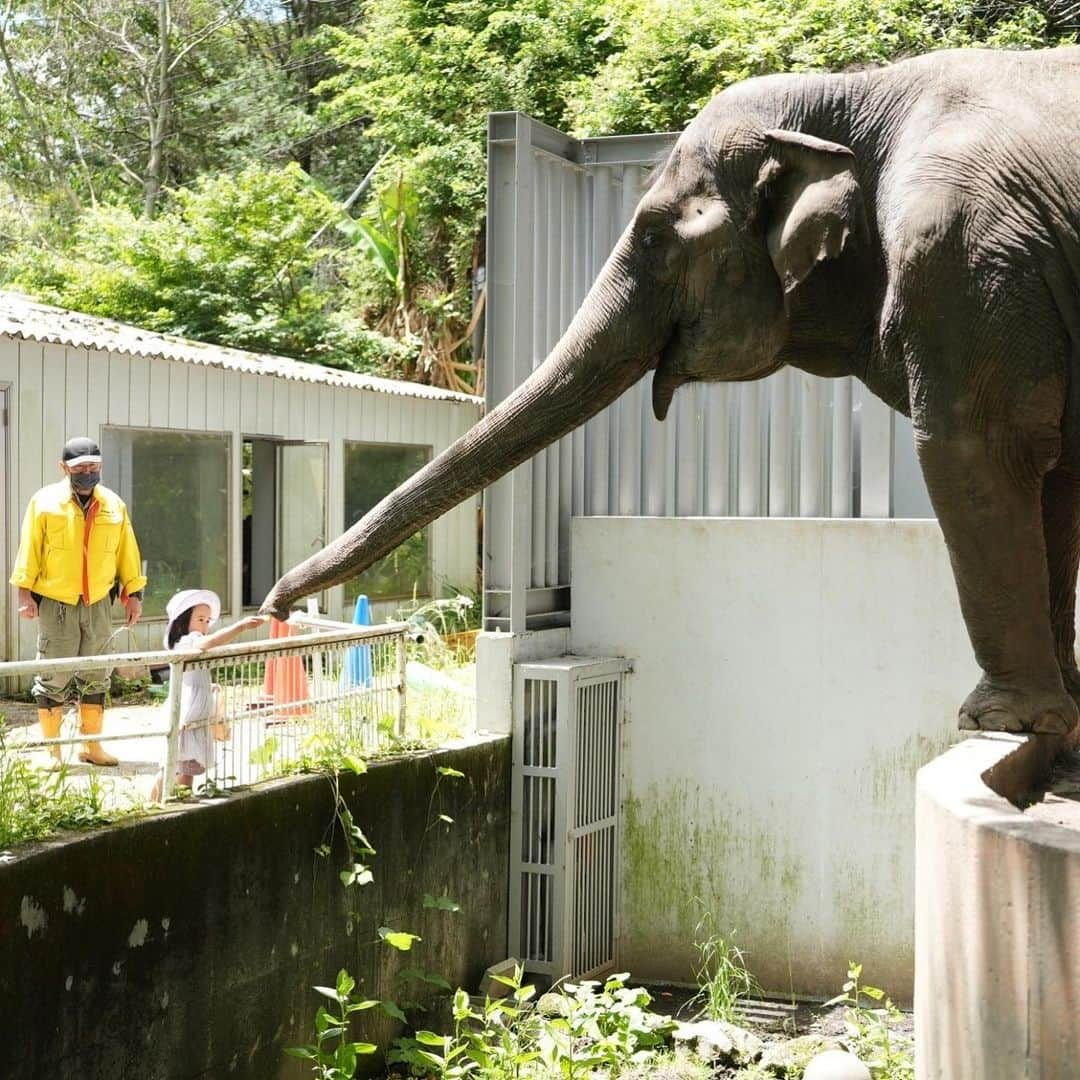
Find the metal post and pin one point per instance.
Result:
(401, 661)
(172, 743)
(316, 654)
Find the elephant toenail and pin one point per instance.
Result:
(1000, 720)
(1051, 723)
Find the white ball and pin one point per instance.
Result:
(836, 1065)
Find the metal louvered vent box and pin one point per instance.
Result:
(565, 814)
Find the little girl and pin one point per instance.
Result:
(191, 613)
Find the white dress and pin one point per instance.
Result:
(196, 710)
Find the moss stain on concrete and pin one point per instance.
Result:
(679, 851)
(893, 772)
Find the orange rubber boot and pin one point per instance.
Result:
(91, 721)
(49, 719)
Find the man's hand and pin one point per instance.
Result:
(133, 607)
(28, 608)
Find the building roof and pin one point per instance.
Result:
(21, 317)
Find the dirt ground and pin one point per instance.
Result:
(772, 1020)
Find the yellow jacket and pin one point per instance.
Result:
(65, 554)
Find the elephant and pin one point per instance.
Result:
(916, 225)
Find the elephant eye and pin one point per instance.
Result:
(650, 238)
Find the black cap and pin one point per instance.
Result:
(79, 450)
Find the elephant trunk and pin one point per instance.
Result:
(600, 356)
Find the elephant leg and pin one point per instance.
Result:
(988, 499)
(1061, 527)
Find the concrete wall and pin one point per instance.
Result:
(998, 902)
(790, 677)
(496, 654)
(186, 944)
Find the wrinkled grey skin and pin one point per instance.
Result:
(917, 226)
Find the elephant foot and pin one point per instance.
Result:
(993, 707)
(1071, 678)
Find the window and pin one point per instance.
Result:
(284, 510)
(372, 472)
(176, 486)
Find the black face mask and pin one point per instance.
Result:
(85, 482)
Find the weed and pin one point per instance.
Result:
(585, 1029)
(677, 1064)
(871, 1019)
(436, 621)
(721, 973)
(334, 1055)
(35, 803)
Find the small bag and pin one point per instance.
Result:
(220, 730)
(135, 671)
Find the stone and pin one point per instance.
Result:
(492, 987)
(552, 1004)
(719, 1041)
(836, 1065)
(793, 1055)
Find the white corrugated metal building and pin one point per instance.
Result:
(234, 465)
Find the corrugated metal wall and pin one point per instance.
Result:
(789, 445)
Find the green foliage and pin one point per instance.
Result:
(269, 115)
(871, 1019)
(423, 78)
(35, 803)
(434, 621)
(674, 57)
(677, 1064)
(721, 975)
(358, 849)
(228, 261)
(584, 1030)
(398, 939)
(334, 1055)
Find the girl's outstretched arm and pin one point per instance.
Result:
(227, 633)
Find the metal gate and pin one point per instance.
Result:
(565, 815)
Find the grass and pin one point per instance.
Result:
(721, 973)
(36, 803)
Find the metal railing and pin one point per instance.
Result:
(330, 691)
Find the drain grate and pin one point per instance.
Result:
(771, 1015)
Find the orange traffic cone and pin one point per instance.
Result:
(286, 681)
(277, 629)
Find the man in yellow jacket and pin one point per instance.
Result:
(76, 542)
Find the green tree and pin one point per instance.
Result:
(421, 77)
(228, 260)
(194, 109)
(674, 57)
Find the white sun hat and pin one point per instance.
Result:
(187, 599)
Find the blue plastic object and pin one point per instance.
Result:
(356, 670)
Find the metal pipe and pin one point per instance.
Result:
(172, 743)
(401, 662)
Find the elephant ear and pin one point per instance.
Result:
(813, 199)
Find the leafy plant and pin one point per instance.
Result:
(583, 1030)
(871, 1020)
(334, 1054)
(721, 973)
(357, 846)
